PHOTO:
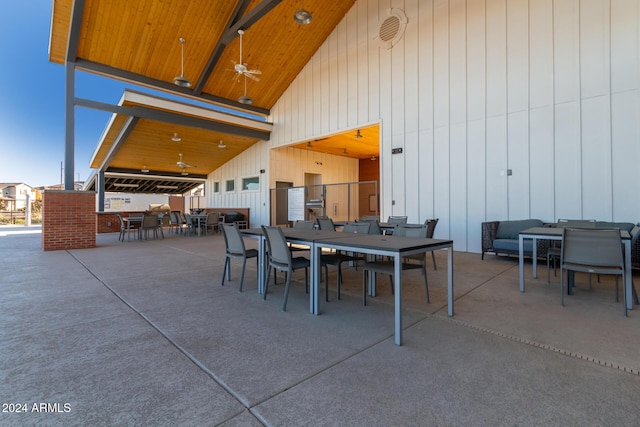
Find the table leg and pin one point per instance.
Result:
(397, 273)
(450, 281)
(534, 253)
(314, 292)
(628, 274)
(521, 261)
(262, 250)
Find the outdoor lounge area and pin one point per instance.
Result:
(144, 334)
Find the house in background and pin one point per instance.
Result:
(15, 195)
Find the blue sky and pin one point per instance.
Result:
(32, 101)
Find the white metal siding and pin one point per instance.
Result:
(549, 89)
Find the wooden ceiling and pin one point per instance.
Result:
(138, 42)
(347, 144)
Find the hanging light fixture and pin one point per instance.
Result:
(345, 152)
(222, 145)
(302, 16)
(309, 144)
(373, 158)
(181, 80)
(184, 172)
(176, 137)
(144, 169)
(358, 134)
(244, 99)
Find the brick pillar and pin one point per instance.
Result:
(68, 220)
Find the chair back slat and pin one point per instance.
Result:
(304, 225)
(357, 227)
(594, 247)
(213, 218)
(277, 244)
(397, 219)
(326, 224)
(431, 227)
(149, 221)
(233, 239)
(417, 232)
(374, 227)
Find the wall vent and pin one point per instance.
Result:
(392, 28)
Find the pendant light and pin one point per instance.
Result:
(244, 99)
(176, 137)
(181, 80)
(222, 145)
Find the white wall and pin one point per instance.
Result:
(549, 89)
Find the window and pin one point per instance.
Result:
(216, 186)
(251, 183)
(230, 185)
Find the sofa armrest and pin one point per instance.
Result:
(489, 231)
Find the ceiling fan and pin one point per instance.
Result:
(241, 67)
(182, 164)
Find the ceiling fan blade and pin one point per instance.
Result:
(251, 76)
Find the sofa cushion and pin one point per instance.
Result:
(628, 226)
(512, 229)
(511, 246)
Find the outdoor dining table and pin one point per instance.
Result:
(555, 233)
(132, 220)
(370, 244)
(200, 219)
(396, 248)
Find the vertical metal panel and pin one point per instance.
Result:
(540, 53)
(625, 111)
(442, 94)
(594, 47)
(596, 158)
(541, 160)
(496, 58)
(496, 160)
(517, 55)
(567, 162)
(625, 45)
(566, 30)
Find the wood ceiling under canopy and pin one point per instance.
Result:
(139, 42)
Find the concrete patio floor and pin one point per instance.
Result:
(142, 333)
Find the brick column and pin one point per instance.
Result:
(68, 220)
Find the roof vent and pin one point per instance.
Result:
(392, 28)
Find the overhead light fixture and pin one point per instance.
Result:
(222, 145)
(373, 158)
(167, 187)
(344, 152)
(176, 137)
(244, 99)
(184, 172)
(358, 134)
(144, 169)
(125, 185)
(181, 80)
(309, 144)
(302, 16)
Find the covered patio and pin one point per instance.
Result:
(143, 333)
